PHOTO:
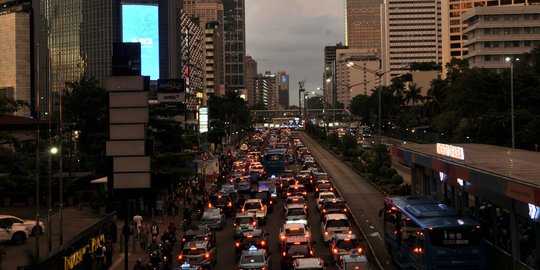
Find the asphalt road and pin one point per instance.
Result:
(363, 199)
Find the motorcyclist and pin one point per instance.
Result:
(155, 259)
(153, 246)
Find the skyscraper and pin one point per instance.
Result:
(283, 89)
(209, 13)
(251, 72)
(411, 34)
(363, 24)
(329, 76)
(235, 45)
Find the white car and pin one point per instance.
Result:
(12, 232)
(256, 207)
(323, 196)
(333, 224)
(309, 263)
(30, 225)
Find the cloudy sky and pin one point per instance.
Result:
(290, 35)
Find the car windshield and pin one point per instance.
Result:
(251, 206)
(327, 196)
(296, 212)
(261, 195)
(297, 249)
(252, 258)
(337, 223)
(242, 220)
(194, 252)
(347, 244)
(324, 186)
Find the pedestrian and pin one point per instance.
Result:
(154, 229)
(139, 265)
(87, 260)
(100, 256)
(138, 219)
(109, 248)
(143, 238)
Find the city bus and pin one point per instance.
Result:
(274, 161)
(420, 233)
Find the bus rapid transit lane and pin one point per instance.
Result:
(363, 199)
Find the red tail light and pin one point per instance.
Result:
(207, 255)
(263, 243)
(335, 250)
(180, 257)
(360, 250)
(237, 244)
(229, 204)
(283, 253)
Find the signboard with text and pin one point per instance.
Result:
(203, 119)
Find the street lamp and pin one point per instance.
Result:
(379, 75)
(512, 60)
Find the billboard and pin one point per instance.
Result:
(171, 91)
(140, 24)
(203, 119)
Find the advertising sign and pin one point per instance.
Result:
(140, 24)
(203, 119)
(171, 91)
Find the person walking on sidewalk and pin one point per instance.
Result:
(139, 265)
(109, 247)
(143, 238)
(100, 256)
(138, 219)
(154, 229)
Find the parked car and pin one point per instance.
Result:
(29, 224)
(12, 232)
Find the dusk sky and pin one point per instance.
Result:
(290, 35)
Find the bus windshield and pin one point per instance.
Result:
(455, 237)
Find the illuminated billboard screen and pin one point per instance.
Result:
(140, 24)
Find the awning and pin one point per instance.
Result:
(102, 180)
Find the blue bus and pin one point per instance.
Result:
(275, 161)
(420, 233)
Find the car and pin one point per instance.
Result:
(254, 238)
(309, 264)
(293, 229)
(256, 207)
(324, 196)
(344, 244)
(12, 232)
(214, 218)
(29, 224)
(294, 248)
(271, 186)
(333, 224)
(242, 184)
(294, 200)
(305, 177)
(297, 190)
(323, 186)
(244, 222)
(199, 232)
(352, 262)
(223, 202)
(333, 206)
(254, 258)
(266, 198)
(199, 253)
(296, 212)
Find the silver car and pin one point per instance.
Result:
(214, 218)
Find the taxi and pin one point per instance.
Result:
(244, 222)
(255, 238)
(253, 258)
(309, 263)
(256, 207)
(199, 253)
(187, 266)
(344, 244)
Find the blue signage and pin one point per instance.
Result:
(140, 24)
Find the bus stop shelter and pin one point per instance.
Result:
(497, 186)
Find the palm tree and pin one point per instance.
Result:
(413, 94)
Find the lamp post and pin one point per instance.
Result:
(52, 151)
(512, 60)
(379, 74)
(300, 90)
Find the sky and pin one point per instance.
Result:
(290, 36)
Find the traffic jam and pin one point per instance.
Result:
(284, 211)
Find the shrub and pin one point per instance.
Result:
(397, 179)
(365, 156)
(372, 178)
(390, 173)
(383, 170)
(385, 182)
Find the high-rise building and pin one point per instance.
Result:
(363, 24)
(411, 34)
(209, 13)
(169, 38)
(497, 32)
(15, 54)
(283, 89)
(329, 75)
(251, 73)
(74, 39)
(265, 90)
(193, 61)
(353, 76)
(235, 44)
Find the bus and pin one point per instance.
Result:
(421, 233)
(275, 161)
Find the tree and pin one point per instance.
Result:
(85, 105)
(413, 94)
(9, 105)
(314, 102)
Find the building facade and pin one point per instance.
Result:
(495, 33)
(169, 39)
(363, 24)
(283, 89)
(251, 73)
(411, 33)
(355, 73)
(235, 44)
(329, 74)
(193, 62)
(266, 90)
(209, 14)
(15, 55)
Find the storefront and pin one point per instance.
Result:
(497, 186)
